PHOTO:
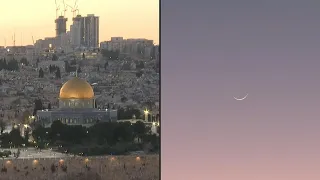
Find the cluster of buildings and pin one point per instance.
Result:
(85, 97)
(84, 33)
(142, 47)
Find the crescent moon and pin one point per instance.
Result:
(240, 99)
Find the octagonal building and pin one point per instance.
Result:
(76, 106)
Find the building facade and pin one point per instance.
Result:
(85, 31)
(91, 31)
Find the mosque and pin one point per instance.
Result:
(76, 106)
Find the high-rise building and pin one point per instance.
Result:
(85, 31)
(61, 25)
(77, 31)
(75, 34)
(91, 31)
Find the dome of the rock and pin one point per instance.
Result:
(76, 88)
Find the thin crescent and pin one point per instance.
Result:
(240, 99)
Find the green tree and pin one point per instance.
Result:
(123, 132)
(5, 139)
(139, 129)
(54, 57)
(103, 133)
(49, 106)
(37, 62)
(111, 55)
(37, 106)
(58, 73)
(139, 74)
(124, 99)
(24, 61)
(2, 126)
(15, 136)
(56, 129)
(41, 73)
(13, 65)
(40, 134)
(26, 136)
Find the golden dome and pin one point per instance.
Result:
(76, 88)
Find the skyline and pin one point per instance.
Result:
(127, 19)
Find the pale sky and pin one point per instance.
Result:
(124, 18)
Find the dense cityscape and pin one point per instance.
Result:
(73, 102)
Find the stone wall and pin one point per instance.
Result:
(81, 168)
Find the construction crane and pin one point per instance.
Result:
(74, 9)
(65, 8)
(57, 8)
(34, 49)
(14, 39)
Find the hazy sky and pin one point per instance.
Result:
(269, 49)
(127, 18)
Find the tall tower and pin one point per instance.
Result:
(91, 34)
(61, 25)
(77, 31)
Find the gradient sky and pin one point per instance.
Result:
(126, 18)
(214, 50)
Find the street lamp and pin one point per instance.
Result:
(146, 113)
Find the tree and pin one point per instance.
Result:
(124, 99)
(40, 134)
(24, 61)
(139, 74)
(26, 136)
(5, 139)
(73, 134)
(37, 106)
(123, 132)
(103, 133)
(110, 54)
(13, 65)
(58, 73)
(15, 136)
(140, 65)
(2, 126)
(56, 130)
(49, 106)
(128, 113)
(41, 73)
(139, 129)
(54, 57)
(79, 70)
